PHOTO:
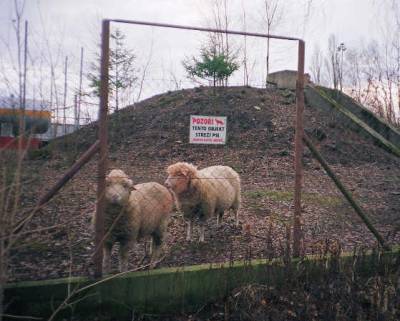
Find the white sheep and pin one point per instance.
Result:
(204, 193)
(133, 212)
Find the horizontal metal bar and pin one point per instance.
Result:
(233, 32)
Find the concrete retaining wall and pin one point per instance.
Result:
(169, 290)
(388, 131)
(382, 133)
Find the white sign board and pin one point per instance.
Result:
(207, 129)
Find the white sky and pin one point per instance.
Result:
(71, 24)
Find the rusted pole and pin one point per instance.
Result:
(297, 220)
(231, 32)
(345, 192)
(60, 183)
(103, 138)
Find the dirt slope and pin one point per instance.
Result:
(146, 138)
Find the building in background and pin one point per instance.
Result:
(37, 116)
(56, 130)
(38, 126)
(286, 79)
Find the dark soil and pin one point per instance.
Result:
(146, 138)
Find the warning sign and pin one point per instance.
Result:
(207, 129)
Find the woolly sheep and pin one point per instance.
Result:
(204, 193)
(133, 212)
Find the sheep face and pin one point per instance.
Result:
(178, 183)
(179, 177)
(118, 187)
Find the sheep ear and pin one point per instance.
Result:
(185, 172)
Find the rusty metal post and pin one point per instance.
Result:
(297, 220)
(70, 173)
(103, 138)
(358, 209)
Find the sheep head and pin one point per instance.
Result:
(180, 176)
(118, 187)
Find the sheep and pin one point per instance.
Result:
(204, 193)
(133, 212)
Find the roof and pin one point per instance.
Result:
(12, 102)
(283, 72)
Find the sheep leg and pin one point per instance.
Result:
(202, 230)
(237, 217)
(235, 208)
(219, 217)
(151, 245)
(123, 256)
(157, 242)
(107, 258)
(189, 230)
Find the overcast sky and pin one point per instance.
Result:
(71, 24)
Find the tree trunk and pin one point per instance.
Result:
(267, 59)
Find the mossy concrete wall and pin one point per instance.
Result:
(170, 290)
(388, 131)
(286, 79)
(355, 116)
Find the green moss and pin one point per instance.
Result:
(43, 153)
(286, 196)
(37, 247)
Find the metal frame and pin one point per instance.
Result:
(102, 146)
(103, 129)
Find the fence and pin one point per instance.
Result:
(147, 138)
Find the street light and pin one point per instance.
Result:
(341, 48)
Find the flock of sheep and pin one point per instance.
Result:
(138, 211)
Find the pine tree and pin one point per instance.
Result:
(122, 72)
(212, 66)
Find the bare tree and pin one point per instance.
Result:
(332, 61)
(272, 17)
(245, 58)
(65, 96)
(372, 72)
(354, 72)
(10, 193)
(79, 101)
(317, 65)
(372, 78)
(144, 70)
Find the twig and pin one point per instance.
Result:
(20, 317)
(77, 291)
(120, 274)
(33, 231)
